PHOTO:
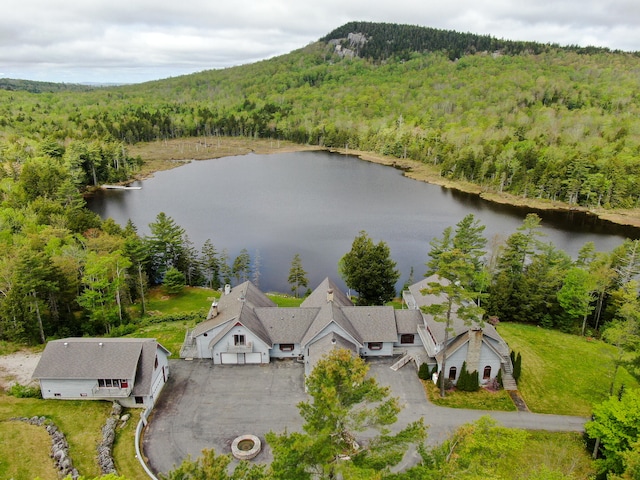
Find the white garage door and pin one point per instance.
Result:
(255, 357)
(229, 358)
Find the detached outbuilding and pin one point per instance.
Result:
(131, 371)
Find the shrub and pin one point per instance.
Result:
(517, 367)
(468, 381)
(499, 379)
(424, 373)
(24, 391)
(448, 384)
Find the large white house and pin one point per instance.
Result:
(244, 326)
(131, 371)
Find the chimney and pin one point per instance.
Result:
(214, 309)
(227, 289)
(474, 349)
(330, 295)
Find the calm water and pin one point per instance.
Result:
(315, 203)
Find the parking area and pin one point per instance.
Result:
(206, 406)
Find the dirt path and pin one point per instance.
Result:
(17, 368)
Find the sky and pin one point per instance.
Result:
(132, 41)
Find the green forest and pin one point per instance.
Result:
(534, 120)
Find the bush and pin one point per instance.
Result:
(517, 367)
(424, 373)
(24, 391)
(468, 382)
(448, 384)
(499, 379)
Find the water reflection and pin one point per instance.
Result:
(315, 203)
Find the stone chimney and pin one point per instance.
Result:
(474, 349)
(330, 295)
(214, 309)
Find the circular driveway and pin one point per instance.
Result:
(206, 406)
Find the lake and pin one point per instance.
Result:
(316, 203)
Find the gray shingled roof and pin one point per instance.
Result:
(407, 321)
(318, 297)
(286, 325)
(326, 344)
(373, 324)
(93, 358)
(230, 306)
(328, 313)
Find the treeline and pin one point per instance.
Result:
(40, 87)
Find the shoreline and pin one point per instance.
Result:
(165, 155)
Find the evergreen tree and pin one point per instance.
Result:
(297, 275)
(369, 270)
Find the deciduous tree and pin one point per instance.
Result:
(345, 402)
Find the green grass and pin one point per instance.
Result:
(192, 299)
(124, 451)
(561, 373)
(24, 452)
(81, 422)
(481, 400)
(169, 334)
(283, 300)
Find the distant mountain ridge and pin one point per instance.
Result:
(379, 41)
(41, 87)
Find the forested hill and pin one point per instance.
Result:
(379, 41)
(41, 87)
(532, 120)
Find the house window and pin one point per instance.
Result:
(238, 340)
(101, 383)
(487, 373)
(57, 395)
(139, 400)
(155, 365)
(286, 347)
(452, 373)
(108, 383)
(406, 338)
(375, 345)
(83, 394)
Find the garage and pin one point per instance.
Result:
(254, 357)
(229, 358)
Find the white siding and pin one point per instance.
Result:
(202, 341)
(78, 389)
(488, 358)
(385, 351)
(456, 360)
(223, 345)
(275, 352)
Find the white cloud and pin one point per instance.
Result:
(137, 40)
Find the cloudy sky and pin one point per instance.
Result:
(130, 41)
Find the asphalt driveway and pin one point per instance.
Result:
(206, 406)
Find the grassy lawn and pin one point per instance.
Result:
(124, 450)
(481, 400)
(192, 299)
(550, 451)
(24, 452)
(81, 422)
(562, 373)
